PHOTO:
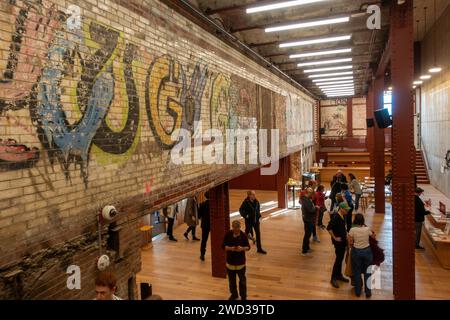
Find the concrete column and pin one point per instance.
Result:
(403, 153)
(378, 92)
(220, 224)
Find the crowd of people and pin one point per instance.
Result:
(350, 236)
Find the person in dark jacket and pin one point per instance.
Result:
(191, 217)
(250, 211)
(335, 184)
(420, 213)
(235, 244)
(348, 197)
(338, 232)
(309, 211)
(204, 215)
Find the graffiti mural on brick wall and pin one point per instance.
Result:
(171, 102)
(75, 89)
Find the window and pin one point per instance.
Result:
(388, 101)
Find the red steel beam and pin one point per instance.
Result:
(378, 93)
(403, 151)
(370, 142)
(220, 224)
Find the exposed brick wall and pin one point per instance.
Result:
(90, 93)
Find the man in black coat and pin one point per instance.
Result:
(338, 232)
(420, 213)
(250, 211)
(338, 179)
(204, 215)
(309, 211)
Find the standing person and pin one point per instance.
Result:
(191, 217)
(250, 211)
(309, 211)
(320, 202)
(356, 187)
(235, 244)
(361, 254)
(420, 213)
(171, 213)
(335, 184)
(106, 286)
(204, 215)
(338, 232)
(348, 198)
(312, 185)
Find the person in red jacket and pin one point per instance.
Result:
(320, 202)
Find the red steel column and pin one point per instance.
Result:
(282, 178)
(378, 92)
(220, 224)
(370, 143)
(349, 118)
(403, 154)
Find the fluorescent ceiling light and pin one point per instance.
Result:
(308, 24)
(319, 53)
(327, 69)
(338, 89)
(336, 86)
(335, 82)
(425, 77)
(333, 79)
(341, 95)
(314, 63)
(322, 75)
(418, 82)
(435, 70)
(314, 41)
(339, 92)
(280, 5)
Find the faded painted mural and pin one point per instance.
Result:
(80, 93)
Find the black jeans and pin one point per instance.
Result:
(339, 250)
(191, 229)
(348, 219)
(242, 282)
(170, 222)
(357, 197)
(257, 228)
(418, 232)
(205, 235)
(249, 227)
(333, 202)
(361, 260)
(308, 226)
(321, 212)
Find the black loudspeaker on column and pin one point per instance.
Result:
(370, 123)
(383, 118)
(322, 130)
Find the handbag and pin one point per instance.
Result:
(348, 263)
(377, 252)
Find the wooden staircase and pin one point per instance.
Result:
(421, 170)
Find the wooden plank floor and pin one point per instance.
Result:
(176, 272)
